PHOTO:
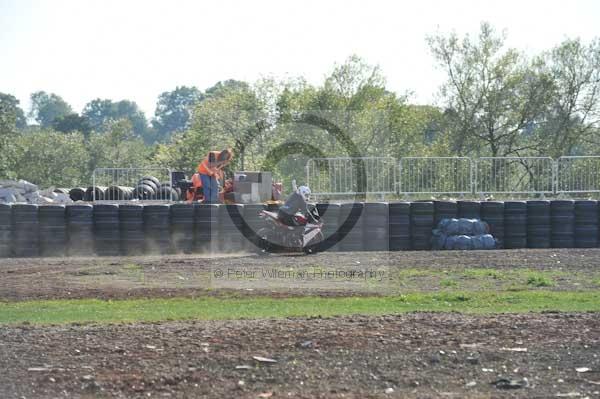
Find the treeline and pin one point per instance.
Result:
(496, 101)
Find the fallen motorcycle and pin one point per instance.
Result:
(278, 237)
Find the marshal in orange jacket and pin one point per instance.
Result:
(214, 163)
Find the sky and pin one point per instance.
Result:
(135, 50)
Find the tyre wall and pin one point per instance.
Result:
(132, 229)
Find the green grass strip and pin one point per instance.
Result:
(207, 308)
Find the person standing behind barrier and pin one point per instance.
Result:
(210, 170)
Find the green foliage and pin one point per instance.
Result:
(9, 103)
(500, 103)
(233, 116)
(492, 95)
(47, 158)
(539, 280)
(47, 107)
(50, 158)
(448, 283)
(100, 114)
(117, 147)
(8, 133)
(72, 123)
(569, 125)
(173, 111)
(495, 101)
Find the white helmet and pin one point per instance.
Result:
(304, 191)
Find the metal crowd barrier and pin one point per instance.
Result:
(338, 177)
(578, 174)
(152, 184)
(435, 175)
(461, 176)
(514, 175)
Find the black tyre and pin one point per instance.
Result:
(152, 179)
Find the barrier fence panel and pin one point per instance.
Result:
(578, 174)
(339, 177)
(515, 175)
(151, 184)
(436, 175)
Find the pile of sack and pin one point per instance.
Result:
(463, 234)
(24, 192)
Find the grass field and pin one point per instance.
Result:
(207, 308)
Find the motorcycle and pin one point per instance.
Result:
(279, 237)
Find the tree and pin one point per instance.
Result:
(230, 116)
(225, 86)
(8, 134)
(101, 113)
(492, 94)
(418, 130)
(72, 123)
(46, 107)
(10, 104)
(173, 111)
(49, 158)
(572, 118)
(117, 147)
(352, 110)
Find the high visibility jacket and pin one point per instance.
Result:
(212, 165)
(196, 181)
(210, 168)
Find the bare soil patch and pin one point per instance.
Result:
(190, 275)
(424, 355)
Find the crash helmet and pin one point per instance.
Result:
(304, 191)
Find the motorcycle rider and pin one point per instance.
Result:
(296, 202)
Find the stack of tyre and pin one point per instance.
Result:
(95, 193)
(351, 226)
(562, 220)
(399, 226)
(5, 230)
(182, 228)
(53, 230)
(131, 217)
(150, 188)
(376, 221)
(330, 216)
(515, 224)
(421, 225)
(586, 224)
(168, 193)
(118, 193)
(538, 224)
(231, 237)
(157, 229)
(80, 227)
(444, 210)
(77, 194)
(252, 224)
(469, 210)
(206, 225)
(492, 212)
(107, 234)
(25, 228)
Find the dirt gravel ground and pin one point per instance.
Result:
(415, 355)
(191, 275)
(419, 355)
